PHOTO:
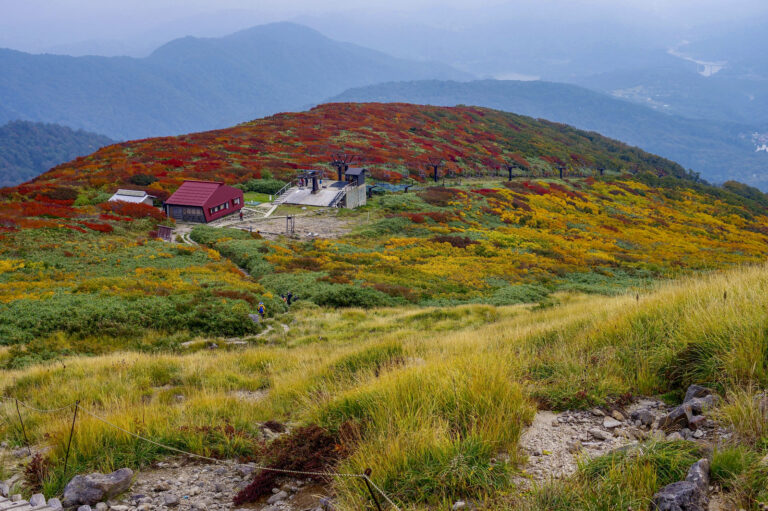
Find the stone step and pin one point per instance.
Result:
(20, 505)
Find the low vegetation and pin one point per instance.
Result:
(434, 395)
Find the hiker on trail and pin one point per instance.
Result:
(289, 297)
(261, 310)
(241, 216)
(283, 297)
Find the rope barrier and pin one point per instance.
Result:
(25, 405)
(84, 410)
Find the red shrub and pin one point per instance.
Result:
(133, 210)
(438, 216)
(98, 227)
(416, 218)
(307, 449)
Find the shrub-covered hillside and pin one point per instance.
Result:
(391, 139)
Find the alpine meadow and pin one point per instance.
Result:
(376, 306)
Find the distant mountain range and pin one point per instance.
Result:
(719, 150)
(194, 84)
(28, 149)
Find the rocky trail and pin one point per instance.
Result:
(554, 444)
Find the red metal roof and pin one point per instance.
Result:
(194, 193)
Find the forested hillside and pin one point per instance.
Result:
(28, 149)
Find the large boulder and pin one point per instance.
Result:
(93, 488)
(688, 495)
(695, 391)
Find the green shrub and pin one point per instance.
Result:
(336, 295)
(268, 186)
(521, 293)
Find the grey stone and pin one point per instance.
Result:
(326, 504)
(84, 508)
(38, 499)
(618, 415)
(645, 417)
(695, 391)
(4, 489)
(697, 421)
(102, 506)
(676, 418)
(698, 474)
(119, 507)
(93, 488)
(699, 405)
(598, 412)
(675, 436)
(16, 497)
(600, 434)
(55, 504)
(459, 504)
(698, 434)
(170, 500)
(688, 495)
(610, 423)
(199, 505)
(277, 497)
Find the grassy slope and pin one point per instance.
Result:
(437, 393)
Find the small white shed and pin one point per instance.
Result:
(134, 196)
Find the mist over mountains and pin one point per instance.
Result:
(194, 84)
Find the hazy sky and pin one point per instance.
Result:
(45, 25)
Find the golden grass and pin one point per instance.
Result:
(438, 393)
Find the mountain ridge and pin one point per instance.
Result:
(194, 84)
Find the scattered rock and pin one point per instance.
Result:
(102, 506)
(4, 489)
(618, 415)
(610, 423)
(38, 499)
(16, 497)
(459, 504)
(84, 508)
(675, 436)
(55, 504)
(93, 488)
(598, 412)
